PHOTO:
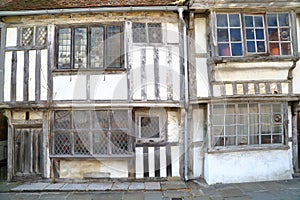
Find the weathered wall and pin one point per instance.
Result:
(247, 166)
(296, 72)
(75, 169)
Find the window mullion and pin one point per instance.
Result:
(259, 122)
(72, 47)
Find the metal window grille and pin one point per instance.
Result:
(27, 36)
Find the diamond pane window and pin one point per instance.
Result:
(81, 143)
(100, 143)
(27, 36)
(119, 142)
(147, 33)
(97, 47)
(113, 47)
(80, 48)
(149, 127)
(41, 36)
(62, 143)
(62, 120)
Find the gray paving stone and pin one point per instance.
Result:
(133, 196)
(251, 187)
(290, 184)
(31, 187)
(153, 196)
(74, 187)
(26, 196)
(209, 191)
(152, 186)
(269, 186)
(54, 195)
(238, 198)
(176, 194)
(120, 186)
(54, 187)
(262, 195)
(173, 185)
(202, 198)
(96, 196)
(137, 186)
(231, 192)
(196, 192)
(99, 186)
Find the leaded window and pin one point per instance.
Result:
(95, 133)
(147, 33)
(96, 47)
(248, 34)
(33, 36)
(247, 124)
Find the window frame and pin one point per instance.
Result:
(89, 27)
(91, 133)
(265, 27)
(219, 137)
(162, 127)
(148, 42)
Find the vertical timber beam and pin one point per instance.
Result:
(2, 60)
(10, 145)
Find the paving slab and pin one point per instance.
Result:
(176, 194)
(137, 186)
(250, 187)
(30, 187)
(271, 185)
(153, 196)
(262, 195)
(120, 186)
(152, 186)
(54, 187)
(133, 196)
(231, 192)
(74, 187)
(99, 186)
(96, 196)
(290, 184)
(54, 195)
(173, 185)
(26, 196)
(7, 186)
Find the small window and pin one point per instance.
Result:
(265, 34)
(33, 36)
(147, 33)
(95, 47)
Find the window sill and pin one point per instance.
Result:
(71, 157)
(100, 71)
(254, 58)
(248, 148)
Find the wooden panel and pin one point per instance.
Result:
(7, 75)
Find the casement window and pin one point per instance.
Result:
(96, 47)
(149, 33)
(247, 124)
(246, 34)
(96, 133)
(150, 127)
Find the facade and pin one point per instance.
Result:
(102, 90)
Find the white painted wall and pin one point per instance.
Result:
(202, 77)
(7, 75)
(296, 71)
(44, 75)
(20, 76)
(252, 71)
(108, 87)
(201, 37)
(69, 87)
(247, 166)
(11, 37)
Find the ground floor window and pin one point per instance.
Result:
(97, 133)
(247, 123)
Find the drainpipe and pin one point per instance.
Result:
(186, 93)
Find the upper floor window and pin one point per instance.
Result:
(247, 124)
(147, 33)
(94, 47)
(246, 34)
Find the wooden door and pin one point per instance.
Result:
(298, 133)
(27, 151)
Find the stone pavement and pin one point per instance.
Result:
(164, 190)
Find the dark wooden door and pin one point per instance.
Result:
(27, 151)
(298, 132)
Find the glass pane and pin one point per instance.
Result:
(266, 139)
(264, 108)
(234, 20)
(274, 49)
(27, 36)
(81, 120)
(119, 142)
(80, 48)
(243, 140)
(119, 119)
(100, 143)
(258, 21)
(265, 119)
(251, 47)
(253, 119)
(286, 49)
(254, 139)
(253, 129)
(272, 20)
(242, 130)
(218, 120)
(230, 109)
(149, 127)
(243, 108)
(96, 52)
(284, 34)
(100, 120)
(113, 47)
(154, 33)
(242, 119)
(237, 49)
(218, 109)
(273, 34)
(223, 35)
(265, 129)
(222, 20)
(235, 35)
(253, 108)
(230, 141)
(277, 139)
(218, 130)
(260, 34)
(229, 130)
(277, 129)
(218, 141)
(62, 120)
(139, 33)
(64, 48)
(81, 143)
(224, 49)
(276, 108)
(249, 34)
(41, 36)
(283, 19)
(249, 21)
(261, 46)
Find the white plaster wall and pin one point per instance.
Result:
(69, 87)
(20, 76)
(173, 126)
(108, 87)
(202, 77)
(11, 37)
(7, 75)
(200, 35)
(44, 75)
(172, 33)
(252, 71)
(247, 166)
(296, 71)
